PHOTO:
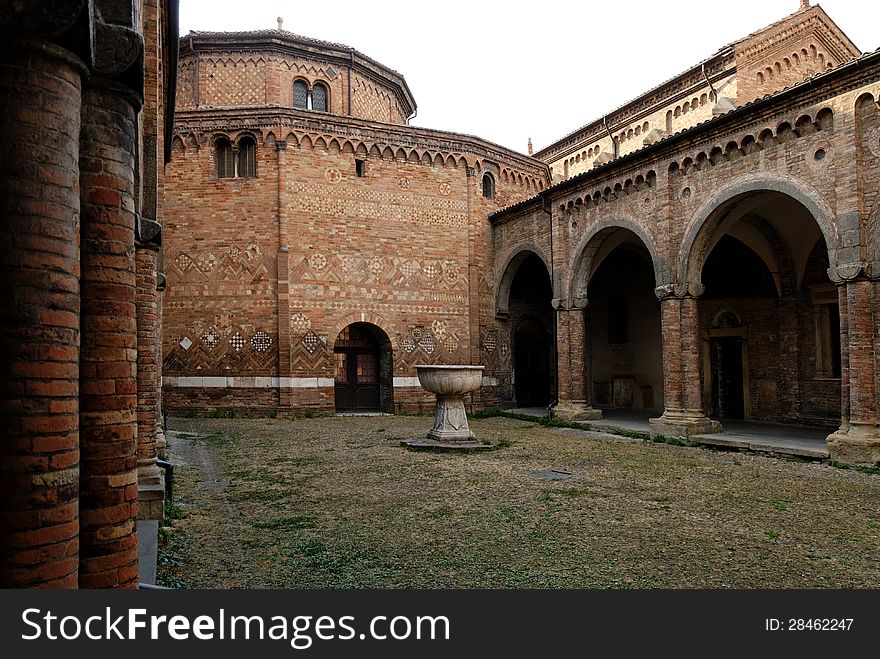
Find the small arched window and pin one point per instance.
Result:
(489, 186)
(300, 95)
(225, 158)
(319, 97)
(247, 157)
(314, 98)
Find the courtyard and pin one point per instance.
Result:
(337, 502)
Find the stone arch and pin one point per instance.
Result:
(584, 264)
(517, 256)
(699, 232)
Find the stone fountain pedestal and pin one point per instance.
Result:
(451, 431)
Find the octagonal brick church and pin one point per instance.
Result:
(707, 251)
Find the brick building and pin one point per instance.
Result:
(318, 246)
(83, 87)
(720, 226)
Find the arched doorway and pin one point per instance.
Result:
(532, 321)
(532, 370)
(624, 345)
(363, 369)
(769, 315)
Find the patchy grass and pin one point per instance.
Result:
(332, 503)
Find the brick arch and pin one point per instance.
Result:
(362, 317)
(583, 267)
(693, 253)
(517, 256)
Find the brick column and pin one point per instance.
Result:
(161, 443)
(108, 369)
(571, 353)
(789, 360)
(150, 484)
(39, 309)
(858, 440)
(683, 413)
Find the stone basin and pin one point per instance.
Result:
(450, 380)
(450, 383)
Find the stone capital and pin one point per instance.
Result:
(119, 55)
(148, 231)
(680, 290)
(845, 272)
(65, 23)
(664, 291)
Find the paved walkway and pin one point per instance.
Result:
(801, 441)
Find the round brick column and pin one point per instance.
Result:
(683, 414)
(108, 375)
(147, 310)
(39, 315)
(858, 440)
(571, 364)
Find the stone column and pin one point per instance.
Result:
(108, 369)
(571, 353)
(40, 88)
(683, 413)
(858, 440)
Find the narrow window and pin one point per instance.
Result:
(489, 186)
(225, 158)
(300, 95)
(319, 97)
(359, 168)
(247, 158)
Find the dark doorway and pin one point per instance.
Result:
(358, 355)
(531, 350)
(727, 377)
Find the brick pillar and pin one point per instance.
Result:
(571, 353)
(150, 484)
(858, 440)
(108, 369)
(161, 443)
(789, 360)
(683, 413)
(39, 312)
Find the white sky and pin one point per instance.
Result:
(507, 71)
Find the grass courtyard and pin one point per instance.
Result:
(337, 502)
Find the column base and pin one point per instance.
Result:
(161, 442)
(683, 425)
(855, 444)
(576, 410)
(151, 500)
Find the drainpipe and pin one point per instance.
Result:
(613, 141)
(709, 82)
(555, 401)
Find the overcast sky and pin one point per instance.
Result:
(507, 71)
